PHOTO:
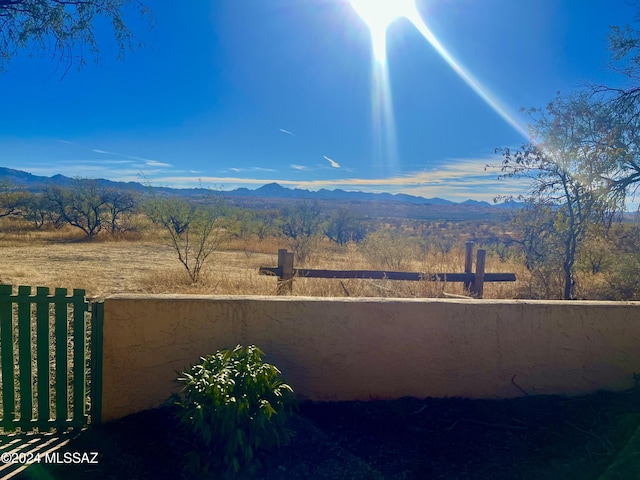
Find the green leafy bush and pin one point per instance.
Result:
(234, 404)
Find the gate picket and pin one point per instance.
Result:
(6, 356)
(43, 351)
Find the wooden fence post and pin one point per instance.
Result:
(285, 272)
(478, 285)
(468, 259)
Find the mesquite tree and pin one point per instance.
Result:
(82, 205)
(300, 224)
(622, 97)
(569, 160)
(195, 231)
(63, 29)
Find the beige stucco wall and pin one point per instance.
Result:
(345, 349)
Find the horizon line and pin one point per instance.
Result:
(246, 183)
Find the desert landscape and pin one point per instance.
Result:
(145, 262)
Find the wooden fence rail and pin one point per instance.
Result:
(474, 282)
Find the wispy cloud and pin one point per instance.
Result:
(154, 163)
(101, 162)
(458, 180)
(333, 163)
(147, 161)
(287, 132)
(250, 169)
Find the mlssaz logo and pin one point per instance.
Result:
(71, 457)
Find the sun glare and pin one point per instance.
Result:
(378, 15)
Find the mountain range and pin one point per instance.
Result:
(34, 183)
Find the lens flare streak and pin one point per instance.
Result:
(466, 76)
(384, 129)
(378, 16)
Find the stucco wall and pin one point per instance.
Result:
(345, 349)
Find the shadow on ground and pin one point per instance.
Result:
(533, 437)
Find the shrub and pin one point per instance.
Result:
(300, 225)
(389, 251)
(234, 404)
(624, 279)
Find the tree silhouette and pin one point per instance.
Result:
(63, 29)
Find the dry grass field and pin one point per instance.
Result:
(146, 263)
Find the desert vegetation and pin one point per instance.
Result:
(108, 240)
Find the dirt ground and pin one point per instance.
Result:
(533, 437)
(103, 268)
(150, 265)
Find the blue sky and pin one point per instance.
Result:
(231, 93)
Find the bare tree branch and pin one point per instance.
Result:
(64, 29)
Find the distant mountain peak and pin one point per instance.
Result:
(269, 190)
(476, 203)
(272, 186)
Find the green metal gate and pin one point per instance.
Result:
(50, 359)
